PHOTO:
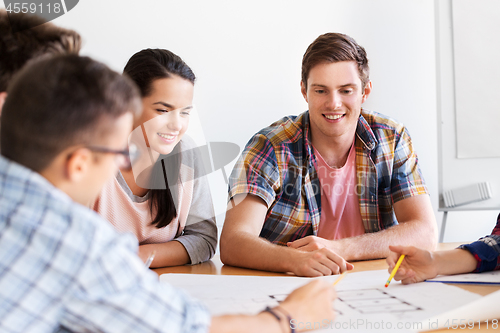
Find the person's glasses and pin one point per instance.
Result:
(125, 158)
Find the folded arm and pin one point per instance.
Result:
(240, 244)
(417, 227)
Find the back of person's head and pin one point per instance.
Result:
(20, 43)
(148, 65)
(335, 47)
(61, 102)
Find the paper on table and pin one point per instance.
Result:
(485, 308)
(363, 303)
(474, 278)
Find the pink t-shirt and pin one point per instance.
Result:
(340, 215)
(129, 215)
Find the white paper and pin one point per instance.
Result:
(473, 278)
(363, 302)
(485, 308)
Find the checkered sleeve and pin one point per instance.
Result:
(116, 293)
(256, 171)
(486, 250)
(407, 179)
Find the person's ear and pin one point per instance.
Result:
(303, 90)
(368, 90)
(3, 96)
(78, 165)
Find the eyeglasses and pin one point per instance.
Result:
(126, 157)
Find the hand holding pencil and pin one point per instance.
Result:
(417, 266)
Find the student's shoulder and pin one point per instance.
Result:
(83, 223)
(379, 121)
(384, 128)
(285, 131)
(50, 216)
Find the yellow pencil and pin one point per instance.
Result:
(400, 260)
(340, 278)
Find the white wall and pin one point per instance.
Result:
(247, 56)
(455, 173)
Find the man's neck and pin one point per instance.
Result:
(333, 150)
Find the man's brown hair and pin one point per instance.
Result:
(61, 102)
(19, 43)
(335, 47)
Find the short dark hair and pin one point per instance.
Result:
(335, 47)
(19, 43)
(60, 102)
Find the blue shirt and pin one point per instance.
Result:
(62, 267)
(486, 250)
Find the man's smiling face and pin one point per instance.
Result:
(334, 94)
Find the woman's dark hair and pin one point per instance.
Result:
(144, 68)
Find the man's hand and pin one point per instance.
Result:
(319, 263)
(418, 265)
(311, 303)
(310, 243)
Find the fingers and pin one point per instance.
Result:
(297, 243)
(400, 274)
(410, 277)
(313, 246)
(300, 242)
(338, 261)
(330, 262)
(406, 250)
(320, 262)
(397, 251)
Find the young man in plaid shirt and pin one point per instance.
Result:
(334, 184)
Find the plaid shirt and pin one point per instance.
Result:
(486, 250)
(278, 165)
(63, 268)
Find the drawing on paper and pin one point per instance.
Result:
(374, 301)
(364, 301)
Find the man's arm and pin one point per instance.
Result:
(240, 244)
(417, 227)
(307, 304)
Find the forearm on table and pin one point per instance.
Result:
(376, 245)
(170, 253)
(456, 261)
(199, 240)
(247, 250)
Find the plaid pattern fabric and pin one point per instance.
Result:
(486, 250)
(63, 268)
(278, 165)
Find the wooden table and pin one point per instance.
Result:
(216, 267)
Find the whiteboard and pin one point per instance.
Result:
(461, 103)
(477, 72)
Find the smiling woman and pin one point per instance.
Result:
(163, 197)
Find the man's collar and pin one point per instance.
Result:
(363, 131)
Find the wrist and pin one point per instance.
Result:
(438, 263)
(280, 317)
(336, 246)
(291, 259)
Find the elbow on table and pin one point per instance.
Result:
(225, 247)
